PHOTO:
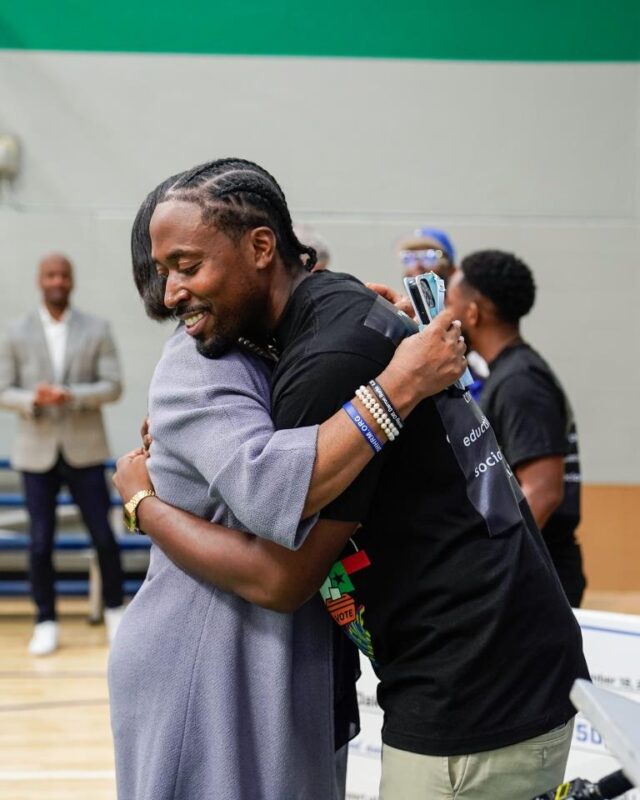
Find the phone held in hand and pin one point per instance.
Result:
(427, 293)
(422, 310)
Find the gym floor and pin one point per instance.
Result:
(55, 740)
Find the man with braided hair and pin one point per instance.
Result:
(445, 584)
(213, 696)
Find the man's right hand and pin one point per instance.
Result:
(426, 363)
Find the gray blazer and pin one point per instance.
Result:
(91, 373)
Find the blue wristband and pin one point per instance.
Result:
(375, 443)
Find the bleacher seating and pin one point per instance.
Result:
(80, 543)
(16, 499)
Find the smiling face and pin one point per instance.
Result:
(216, 284)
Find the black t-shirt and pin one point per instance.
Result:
(532, 418)
(447, 586)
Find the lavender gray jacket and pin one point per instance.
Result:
(213, 698)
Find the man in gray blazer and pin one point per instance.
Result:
(57, 367)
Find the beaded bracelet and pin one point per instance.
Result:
(390, 408)
(377, 412)
(375, 443)
(366, 397)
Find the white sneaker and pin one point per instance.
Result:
(112, 619)
(44, 639)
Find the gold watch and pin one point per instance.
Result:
(130, 508)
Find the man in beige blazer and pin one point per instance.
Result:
(57, 367)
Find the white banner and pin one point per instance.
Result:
(612, 650)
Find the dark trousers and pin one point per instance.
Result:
(88, 489)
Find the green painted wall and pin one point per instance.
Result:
(515, 30)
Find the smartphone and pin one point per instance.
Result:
(421, 308)
(437, 287)
(427, 293)
(428, 296)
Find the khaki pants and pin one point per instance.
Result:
(518, 772)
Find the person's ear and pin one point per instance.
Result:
(262, 242)
(472, 315)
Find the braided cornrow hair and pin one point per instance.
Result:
(234, 194)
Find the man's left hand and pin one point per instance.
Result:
(131, 475)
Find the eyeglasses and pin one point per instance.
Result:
(413, 258)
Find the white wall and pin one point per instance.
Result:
(539, 158)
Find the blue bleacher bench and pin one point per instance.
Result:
(17, 541)
(16, 500)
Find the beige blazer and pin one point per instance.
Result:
(91, 373)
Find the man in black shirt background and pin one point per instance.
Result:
(445, 583)
(524, 402)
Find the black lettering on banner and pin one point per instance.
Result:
(492, 487)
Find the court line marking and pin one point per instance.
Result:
(50, 704)
(57, 775)
(27, 675)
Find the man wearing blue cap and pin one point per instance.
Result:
(427, 250)
(431, 250)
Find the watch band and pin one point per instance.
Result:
(131, 506)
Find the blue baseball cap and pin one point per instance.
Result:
(441, 238)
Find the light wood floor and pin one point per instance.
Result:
(55, 740)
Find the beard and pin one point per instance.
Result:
(248, 320)
(216, 345)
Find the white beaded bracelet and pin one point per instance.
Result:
(379, 414)
(369, 401)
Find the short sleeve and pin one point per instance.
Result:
(312, 392)
(528, 416)
(214, 414)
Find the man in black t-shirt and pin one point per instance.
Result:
(524, 402)
(445, 583)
